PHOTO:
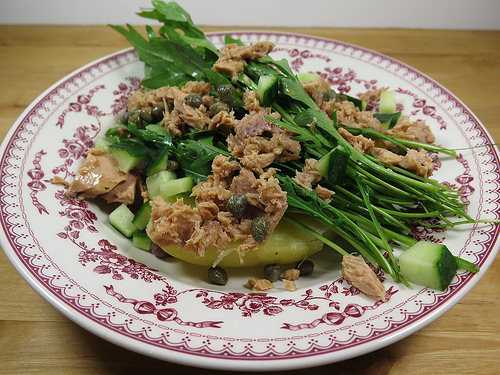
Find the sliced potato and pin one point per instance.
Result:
(287, 244)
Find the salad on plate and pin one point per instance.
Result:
(226, 158)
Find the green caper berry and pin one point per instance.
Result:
(194, 100)
(259, 228)
(172, 165)
(237, 205)
(146, 116)
(217, 276)
(217, 107)
(135, 118)
(306, 267)
(272, 272)
(225, 93)
(328, 95)
(157, 112)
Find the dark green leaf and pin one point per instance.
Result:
(390, 119)
(281, 64)
(171, 11)
(149, 136)
(132, 146)
(195, 158)
(228, 39)
(337, 166)
(358, 103)
(150, 32)
(293, 89)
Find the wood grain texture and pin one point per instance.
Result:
(36, 339)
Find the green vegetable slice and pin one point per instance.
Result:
(121, 218)
(428, 264)
(141, 218)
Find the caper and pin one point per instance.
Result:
(225, 93)
(135, 118)
(172, 165)
(306, 267)
(217, 276)
(146, 115)
(237, 205)
(272, 272)
(259, 228)
(217, 107)
(328, 95)
(158, 252)
(157, 112)
(194, 100)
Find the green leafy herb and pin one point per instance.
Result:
(228, 39)
(389, 119)
(195, 158)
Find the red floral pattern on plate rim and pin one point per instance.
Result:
(487, 245)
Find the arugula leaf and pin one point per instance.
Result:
(228, 39)
(358, 103)
(175, 18)
(281, 64)
(132, 146)
(216, 79)
(390, 119)
(150, 32)
(147, 135)
(172, 11)
(195, 158)
(294, 90)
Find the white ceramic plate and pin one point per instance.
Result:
(68, 252)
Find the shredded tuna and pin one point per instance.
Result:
(98, 174)
(251, 102)
(196, 87)
(272, 198)
(291, 274)
(259, 285)
(412, 130)
(211, 190)
(57, 180)
(244, 183)
(289, 285)
(180, 114)
(309, 176)
(223, 119)
(234, 57)
(349, 115)
(317, 89)
(258, 143)
(211, 234)
(142, 99)
(418, 162)
(209, 210)
(324, 193)
(185, 114)
(223, 167)
(359, 142)
(386, 156)
(360, 275)
(172, 223)
(124, 192)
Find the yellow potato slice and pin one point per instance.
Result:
(287, 244)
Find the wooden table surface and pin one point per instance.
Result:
(36, 339)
